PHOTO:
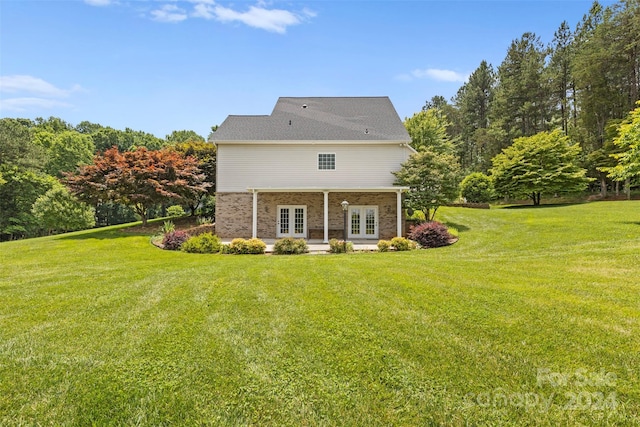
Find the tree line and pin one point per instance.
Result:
(584, 82)
(42, 163)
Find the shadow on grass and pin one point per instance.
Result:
(543, 206)
(461, 228)
(630, 222)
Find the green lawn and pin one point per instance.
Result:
(532, 318)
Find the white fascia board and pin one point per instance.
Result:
(330, 189)
(315, 142)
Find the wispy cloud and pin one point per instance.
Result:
(33, 85)
(257, 16)
(274, 20)
(169, 13)
(21, 105)
(99, 2)
(435, 74)
(33, 92)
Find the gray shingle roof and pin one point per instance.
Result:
(319, 119)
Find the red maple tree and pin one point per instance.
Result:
(140, 179)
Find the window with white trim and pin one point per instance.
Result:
(326, 161)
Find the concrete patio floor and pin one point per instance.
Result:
(316, 246)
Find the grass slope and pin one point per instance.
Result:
(532, 318)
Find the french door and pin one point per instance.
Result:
(292, 221)
(363, 222)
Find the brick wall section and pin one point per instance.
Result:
(233, 215)
(234, 210)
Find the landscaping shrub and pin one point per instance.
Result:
(431, 235)
(402, 244)
(338, 246)
(175, 210)
(477, 188)
(290, 246)
(242, 246)
(205, 243)
(204, 220)
(173, 240)
(384, 245)
(168, 227)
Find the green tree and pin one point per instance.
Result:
(432, 179)
(66, 150)
(21, 189)
(559, 74)
(428, 129)
(521, 105)
(545, 163)
(178, 136)
(628, 140)
(473, 101)
(59, 211)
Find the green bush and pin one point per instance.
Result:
(290, 246)
(242, 246)
(384, 245)
(477, 188)
(175, 210)
(402, 244)
(338, 246)
(205, 243)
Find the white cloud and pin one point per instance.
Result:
(33, 85)
(169, 13)
(98, 2)
(203, 10)
(26, 103)
(274, 20)
(439, 75)
(32, 93)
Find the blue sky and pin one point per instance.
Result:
(159, 66)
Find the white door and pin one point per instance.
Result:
(363, 222)
(292, 221)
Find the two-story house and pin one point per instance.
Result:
(286, 174)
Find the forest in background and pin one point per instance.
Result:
(584, 82)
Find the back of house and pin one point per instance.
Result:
(286, 174)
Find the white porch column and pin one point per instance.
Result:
(326, 217)
(254, 220)
(399, 205)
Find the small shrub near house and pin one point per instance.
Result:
(402, 244)
(338, 246)
(431, 235)
(174, 240)
(384, 245)
(205, 243)
(243, 246)
(290, 246)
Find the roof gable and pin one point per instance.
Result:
(319, 119)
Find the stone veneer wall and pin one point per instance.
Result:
(234, 213)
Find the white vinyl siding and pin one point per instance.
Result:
(243, 166)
